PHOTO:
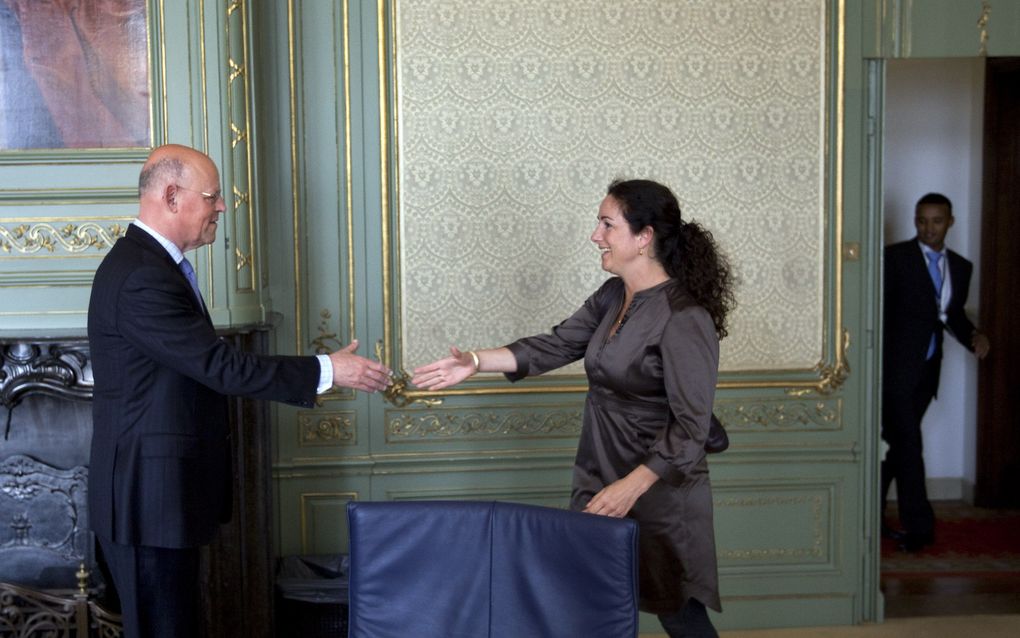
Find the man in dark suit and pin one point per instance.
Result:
(926, 287)
(159, 474)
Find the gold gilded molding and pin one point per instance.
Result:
(242, 259)
(397, 393)
(164, 93)
(239, 121)
(982, 24)
(833, 369)
(73, 238)
(832, 375)
(469, 425)
(327, 428)
(296, 154)
(348, 166)
(384, 170)
(818, 528)
(295, 199)
(780, 415)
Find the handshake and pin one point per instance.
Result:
(354, 371)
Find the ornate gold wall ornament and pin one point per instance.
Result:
(238, 96)
(28, 239)
(235, 70)
(396, 393)
(326, 428)
(242, 259)
(327, 341)
(239, 135)
(240, 197)
(982, 24)
(481, 425)
(780, 414)
(832, 375)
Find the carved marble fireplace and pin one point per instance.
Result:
(46, 548)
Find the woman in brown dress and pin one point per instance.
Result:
(650, 341)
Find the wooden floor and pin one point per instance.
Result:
(911, 595)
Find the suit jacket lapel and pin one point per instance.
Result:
(148, 242)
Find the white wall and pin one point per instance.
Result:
(933, 122)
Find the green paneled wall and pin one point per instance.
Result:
(295, 100)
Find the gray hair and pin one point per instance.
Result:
(168, 169)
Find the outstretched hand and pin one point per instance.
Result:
(445, 372)
(354, 371)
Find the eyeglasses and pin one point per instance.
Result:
(212, 198)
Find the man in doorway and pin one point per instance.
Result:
(926, 287)
(159, 472)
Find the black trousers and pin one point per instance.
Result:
(904, 461)
(157, 588)
(690, 622)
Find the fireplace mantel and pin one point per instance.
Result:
(46, 386)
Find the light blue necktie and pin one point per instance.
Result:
(189, 272)
(936, 278)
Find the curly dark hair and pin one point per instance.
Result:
(686, 250)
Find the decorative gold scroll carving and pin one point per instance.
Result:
(326, 428)
(831, 375)
(487, 425)
(781, 414)
(72, 238)
(397, 392)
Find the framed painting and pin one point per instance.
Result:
(74, 74)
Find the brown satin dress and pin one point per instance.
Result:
(651, 389)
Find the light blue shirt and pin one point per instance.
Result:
(325, 365)
(947, 284)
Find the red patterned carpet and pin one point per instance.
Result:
(968, 540)
(972, 569)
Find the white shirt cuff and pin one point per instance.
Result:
(325, 373)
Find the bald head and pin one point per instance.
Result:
(179, 195)
(166, 165)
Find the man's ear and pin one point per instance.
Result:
(170, 197)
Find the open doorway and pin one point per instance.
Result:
(933, 143)
(936, 130)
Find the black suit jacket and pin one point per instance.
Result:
(912, 313)
(160, 473)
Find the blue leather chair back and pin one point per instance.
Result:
(459, 569)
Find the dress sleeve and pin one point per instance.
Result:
(567, 342)
(690, 366)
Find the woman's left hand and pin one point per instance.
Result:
(617, 498)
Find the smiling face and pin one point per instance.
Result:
(932, 222)
(614, 238)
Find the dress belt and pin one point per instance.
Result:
(609, 400)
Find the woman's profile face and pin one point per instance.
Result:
(614, 238)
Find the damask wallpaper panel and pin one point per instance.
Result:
(513, 117)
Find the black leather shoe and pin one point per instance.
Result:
(894, 534)
(913, 542)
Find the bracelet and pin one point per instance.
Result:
(474, 358)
